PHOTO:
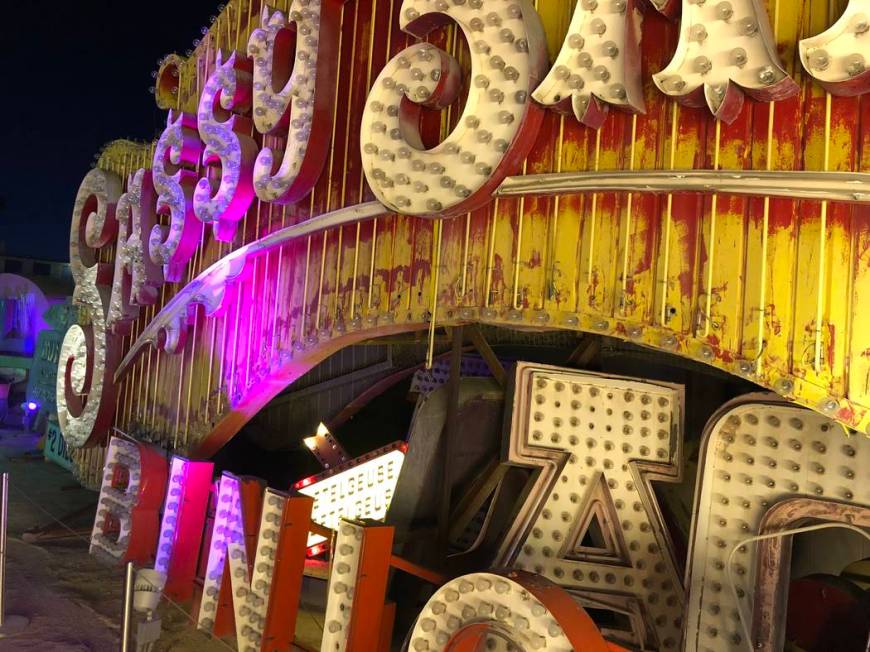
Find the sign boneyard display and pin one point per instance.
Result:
(249, 580)
(688, 176)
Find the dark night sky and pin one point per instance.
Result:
(76, 75)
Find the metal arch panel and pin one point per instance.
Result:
(767, 287)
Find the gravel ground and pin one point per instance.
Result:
(72, 600)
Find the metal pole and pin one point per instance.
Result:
(4, 518)
(128, 608)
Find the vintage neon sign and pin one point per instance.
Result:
(126, 530)
(496, 130)
(361, 488)
(258, 544)
(134, 479)
(598, 65)
(837, 58)
(777, 457)
(89, 353)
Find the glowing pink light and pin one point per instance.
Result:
(32, 406)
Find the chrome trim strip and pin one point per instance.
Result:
(209, 287)
(788, 184)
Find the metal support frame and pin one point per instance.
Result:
(417, 570)
(588, 347)
(487, 354)
(481, 489)
(127, 617)
(450, 427)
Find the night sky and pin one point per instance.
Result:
(76, 75)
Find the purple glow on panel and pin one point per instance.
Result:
(171, 508)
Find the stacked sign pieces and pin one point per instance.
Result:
(361, 488)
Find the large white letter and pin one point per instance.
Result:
(89, 354)
(137, 277)
(726, 49)
(599, 63)
(182, 525)
(134, 479)
(837, 57)
(598, 442)
(301, 109)
(274, 577)
(754, 456)
(496, 129)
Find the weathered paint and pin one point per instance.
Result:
(769, 289)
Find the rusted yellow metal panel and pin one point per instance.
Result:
(566, 224)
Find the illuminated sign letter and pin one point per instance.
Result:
(178, 146)
(134, 479)
(726, 49)
(599, 63)
(225, 132)
(837, 58)
(89, 353)
(264, 594)
(137, 277)
(494, 132)
(357, 587)
(181, 527)
(301, 109)
(505, 611)
(754, 458)
(590, 521)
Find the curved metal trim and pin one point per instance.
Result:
(208, 289)
(798, 184)
(773, 560)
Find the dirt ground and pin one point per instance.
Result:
(73, 602)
